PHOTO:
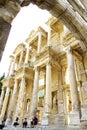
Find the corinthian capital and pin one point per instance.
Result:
(68, 49)
(36, 68)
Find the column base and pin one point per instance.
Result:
(8, 122)
(74, 118)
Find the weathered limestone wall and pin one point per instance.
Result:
(4, 32)
(8, 10)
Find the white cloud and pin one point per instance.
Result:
(29, 18)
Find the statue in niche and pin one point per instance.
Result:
(28, 105)
(54, 102)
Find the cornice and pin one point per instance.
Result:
(27, 71)
(47, 56)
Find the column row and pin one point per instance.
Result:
(22, 90)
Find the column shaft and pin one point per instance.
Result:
(12, 68)
(20, 60)
(27, 55)
(39, 42)
(48, 89)
(2, 97)
(9, 68)
(35, 93)
(5, 103)
(22, 92)
(49, 36)
(13, 100)
(72, 80)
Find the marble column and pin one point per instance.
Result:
(2, 97)
(74, 116)
(22, 92)
(13, 67)
(47, 118)
(49, 36)
(13, 103)
(20, 60)
(39, 42)
(48, 103)
(27, 54)
(9, 68)
(34, 102)
(83, 98)
(5, 104)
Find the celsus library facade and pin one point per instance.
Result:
(47, 77)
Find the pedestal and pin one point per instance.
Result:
(60, 120)
(74, 118)
(8, 122)
(53, 119)
(84, 114)
(84, 117)
(45, 121)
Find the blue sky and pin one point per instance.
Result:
(29, 18)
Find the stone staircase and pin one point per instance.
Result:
(55, 127)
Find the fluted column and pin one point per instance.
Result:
(48, 89)
(75, 114)
(13, 100)
(13, 66)
(5, 103)
(27, 55)
(39, 42)
(9, 68)
(22, 91)
(49, 36)
(2, 98)
(35, 93)
(72, 80)
(20, 60)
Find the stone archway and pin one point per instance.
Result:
(71, 13)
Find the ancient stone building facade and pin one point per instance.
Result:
(47, 77)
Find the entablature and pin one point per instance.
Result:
(63, 87)
(33, 37)
(18, 49)
(27, 71)
(8, 82)
(69, 39)
(48, 55)
(55, 24)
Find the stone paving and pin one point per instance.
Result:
(45, 128)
